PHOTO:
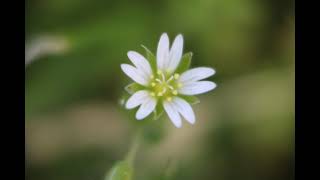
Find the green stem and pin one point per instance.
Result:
(134, 148)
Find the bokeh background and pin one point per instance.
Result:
(76, 128)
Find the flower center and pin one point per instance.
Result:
(164, 87)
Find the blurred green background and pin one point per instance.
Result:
(76, 129)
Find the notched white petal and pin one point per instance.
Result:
(198, 87)
(146, 108)
(163, 51)
(136, 99)
(196, 74)
(140, 62)
(184, 109)
(134, 74)
(175, 53)
(172, 113)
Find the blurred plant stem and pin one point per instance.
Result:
(130, 157)
(124, 170)
(151, 132)
(44, 45)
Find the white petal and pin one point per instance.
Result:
(198, 87)
(184, 109)
(163, 51)
(175, 53)
(196, 74)
(146, 108)
(134, 74)
(136, 99)
(140, 62)
(172, 113)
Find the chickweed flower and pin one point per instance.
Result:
(164, 83)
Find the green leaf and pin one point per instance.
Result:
(152, 59)
(133, 87)
(185, 62)
(122, 170)
(191, 99)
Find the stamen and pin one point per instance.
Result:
(176, 76)
(163, 78)
(175, 92)
(164, 85)
(164, 90)
(170, 79)
(152, 76)
(158, 80)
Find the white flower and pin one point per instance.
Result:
(162, 85)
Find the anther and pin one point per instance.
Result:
(159, 94)
(152, 94)
(169, 98)
(151, 77)
(176, 76)
(153, 84)
(159, 72)
(175, 92)
(179, 85)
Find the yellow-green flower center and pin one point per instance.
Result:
(163, 86)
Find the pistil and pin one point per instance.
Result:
(163, 88)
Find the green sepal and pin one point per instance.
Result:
(184, 63)
(133, 87)
(155, 131)
(152, 59)
(158, 111)
(123, 99)
(191, 99)
(122, 170)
